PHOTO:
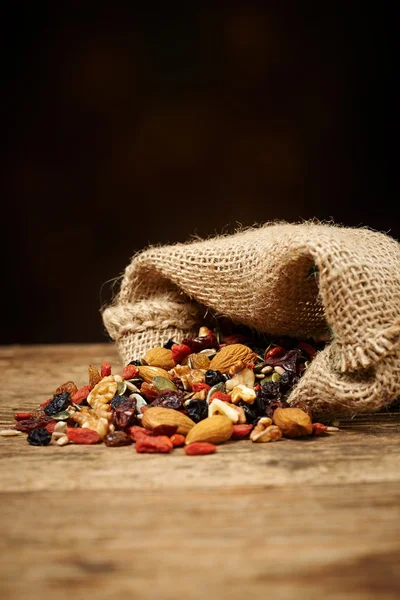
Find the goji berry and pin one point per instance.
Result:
(318, 428)
(149, 391)
(105, 369)
(257, 387)
(81, 394)
(197, 387)
(20, 416)
(82, 435)
(308, 349)
(200, 448)
(153, 445)
(221, 396)
(241, 431)
(177, 440)
(45, 403)
(167, 430)
(50, 426)
(179, 352)
(276, 352)
(136, 431)
(129, 372)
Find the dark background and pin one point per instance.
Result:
(130, 127)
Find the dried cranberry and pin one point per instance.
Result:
(201, 343)
(169, 399)
(125, 413)
(39, 437)
(288, 361)
(59, 403)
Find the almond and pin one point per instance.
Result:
(156, 416)
(160, 357)
(215, 430)
(293, 422)
(228, 356)
(148, 373)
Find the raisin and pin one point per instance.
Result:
(38, 419)
(214, 377)
(82, 435)
(94, 376)
(200, 448)
(117, 439)
(39, 437)
(69, 387)
(197, 410)
(201, 343)
(124, 414)
(153, 445)
(169, 399)
(105, 369)
(59, 403)
(117, 400)
(251, 414)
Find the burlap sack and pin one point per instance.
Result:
(266, 278)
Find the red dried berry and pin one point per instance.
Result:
(82, 435)
(201, 343)
(129, 372)
(308, 349)
(167, 430)
(257, 387)
(50, 426)
(81, 394)
(197, 387)
(21, 416)
(38, 419)
(241, 431)
(221, 396)
(319, 428)
(177, 440)
(200, 448)
(179, 352)
(136, 431)
(276, 352)
(149, 391)
(153, 445)
(105, 369)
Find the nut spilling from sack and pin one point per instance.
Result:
(196, 394)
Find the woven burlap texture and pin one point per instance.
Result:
(282, 279)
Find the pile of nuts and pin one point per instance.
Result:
(196, 394)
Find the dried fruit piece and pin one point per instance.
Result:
(136, 431)
(241, 431)
(220, 396)
(81, 394)
(149, 391)
(94, 376)
(124, 414)
(218, 407)
(319, 428)
(117, 439)
(214, 377)
(59, 403)
(160, 357)
(39, 437)
(169, 399)
(179, 352)
(201, 343)
(197, 410)
(50, 427)
(308, 349)
(153, 445)
(37, 420)
(103, 392)
(105, 369)
(80, 435)
(216, 430)
(153, 417)
(168, 430)
(293, 422)
(275, 352)
(198, 387)
(130, 372)
(69, 387)
(177, 440)
(200, 449)
(21, 416)
(198, 361)
(230, 355)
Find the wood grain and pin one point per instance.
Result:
(315, 518)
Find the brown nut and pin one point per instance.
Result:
(293, 422)
(261, 426)
(270, 434)
(216, 430)
(156, 416)
(160, 357)
(230, 356)
(148, 373)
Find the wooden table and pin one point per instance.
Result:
(314, 518)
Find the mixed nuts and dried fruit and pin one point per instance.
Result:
(195, 394)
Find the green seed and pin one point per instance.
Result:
(121, 387)
(62, 416)
(162, 383)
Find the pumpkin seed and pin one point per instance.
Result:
(220, 387)
(121, 388)
(162, 383)
(143, 363)
(61, 416)
(76, 406)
